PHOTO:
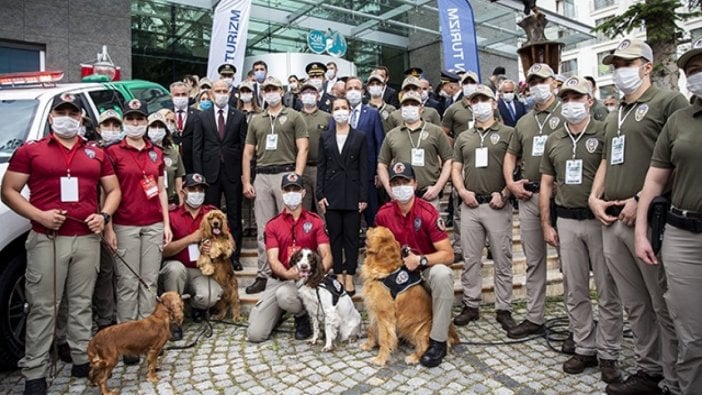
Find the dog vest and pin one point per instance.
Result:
(331, 284)
(401, 280)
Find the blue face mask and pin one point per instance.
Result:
(206, 105)
(260, 75)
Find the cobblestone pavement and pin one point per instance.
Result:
(226, 364)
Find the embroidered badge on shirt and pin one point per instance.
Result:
(90, 153)
(307, 227)
(385, 114)
(494, 138)
(153, 156)
(641, 112)
(402, 277)
(282, 119)
(553, 122)
(168, 161)
(417, 224)
(591, 144)
(424, 135)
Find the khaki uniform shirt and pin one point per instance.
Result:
(317, 122)
(385, 110)
(598, 111)
(288, 126)
(558, 155)
(398, 145)
(428, 115)
(526, 129)
(483, 179)
(174, 169)
(458, 118)
(640, 129)
(678, 148)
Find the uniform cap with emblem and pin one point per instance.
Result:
(109, 114)
(246, 84)
(469, 75)
(377, 77)
(226, 69)
(414, 72)
(411, 96)
(630, 48)
(575, 84)
(316, 69)
(411, 81)
(69, 99)
(401, 169)
(205, 83)
(541, 70)
(194, 179)
(447, 76)
(271, 81)
(135, 106)
(291, 179)
(157, 117)
(307, 85)
(694, 50)
(482, 90)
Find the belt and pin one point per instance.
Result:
(574, 213)
(614, 211)
(311, 163)
(274, 169)
(685, 213)
(690, 224)
(483, 198)
(532, 187)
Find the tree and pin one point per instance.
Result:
(663, 33)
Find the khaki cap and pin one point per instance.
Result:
(271, 81)
(377, 77)
(109, 114)
(411, 95)
(541, 70)
(157, 117)
(246, 84)
(413, 81)
(482, 90)
(694, 50)
(575, 84)
(471, 75)
(630, 48)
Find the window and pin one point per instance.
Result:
(107, 99)
(569, 68)
(601, 68)
(568, 8)
(603, 3)
(19, 57)
(17, 116)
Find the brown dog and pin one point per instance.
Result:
(134, 338)
(215, 233)
(408, 315)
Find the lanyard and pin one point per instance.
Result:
(542, 124)
(272, 119)
(419, 140)
(620, 120)
(68, 156)
(482, 136)
(142, 167)
(575, 140)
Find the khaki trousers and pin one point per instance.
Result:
(681, 253)
(75, 266)
(641, 288)
(204, 292)
(278, 298)
(140, 247)
(581, 245)
(477, 223)
(438, 280)
(457, 203)
(534, 247)
(268, 204)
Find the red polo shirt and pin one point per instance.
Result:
(182, 225)
(46, 161)
(420, 229)
(132, 166)
(282, 232)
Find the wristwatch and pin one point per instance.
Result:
(423, 261)
(106, 216)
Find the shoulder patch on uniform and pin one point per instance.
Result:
(494, 138)
(307, 227)
(441, 224)
(591, 144)
(417, 224)
(641, 112)
(168, 161)
(89, 152)
(153, 156)
(553, 122)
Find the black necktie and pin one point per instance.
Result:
(220, 124)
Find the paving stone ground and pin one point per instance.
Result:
(226, 363)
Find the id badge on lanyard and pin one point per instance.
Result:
(417, 156)
(574, 172)
(539, 145)
(617, 154)
(150, 186)
(69, 189)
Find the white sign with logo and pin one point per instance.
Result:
(229, 30)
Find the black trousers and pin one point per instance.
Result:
(343, 226)
(233, 195)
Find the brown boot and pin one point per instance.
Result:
(505, 319)
(467, 315)
(577, 363)
(609, 371)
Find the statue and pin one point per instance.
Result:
(538, 48)
(528, 5)
(534, 26)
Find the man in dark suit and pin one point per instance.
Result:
(427, 101)
(218, 148)
(187, 120)
(509, 107)
(449, 90)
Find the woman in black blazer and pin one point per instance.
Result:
(342, 168)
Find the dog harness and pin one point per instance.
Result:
(401, 280)
(331, 284)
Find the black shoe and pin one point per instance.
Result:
(176, 333)
(434, 354)
(303, 330)
(449, 222)
(577, 363)
(609, 371)
(258, 286)
(80, 371)
(640, 383)
(35, 387)
(569, 345)
(505, 319)
(237, 265)
(198, 315)
(467, 315)
(524, 329)
(129, 360)
(64, 353)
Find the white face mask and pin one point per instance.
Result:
(354, 97)
(180, 102)
(410, 113)
(82, 131)
(341, 116)
(292, 86)
(483, 111)
(109, 135)
(614, 108)
(468, 89)
(246, 97)
(229, 81)
(574, 112)
(221, 100)
(425, 95)
(443, 93)
(317, 83)
(508, 97)
(135, 131)
(694, 84)
(330, 74)
(272, 98)
(156, 135)
(65, 127)
(375, 90)
(403, 193)
(195, 199)
(309, 99)
(627, 79)
(292, 199)
(541, 93)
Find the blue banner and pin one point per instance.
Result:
(458, 36)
